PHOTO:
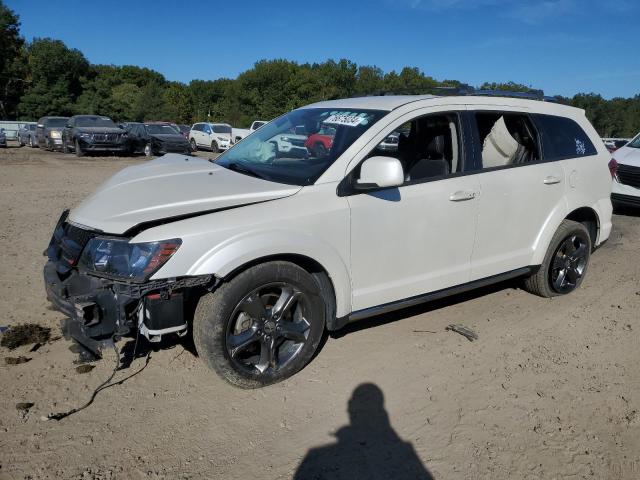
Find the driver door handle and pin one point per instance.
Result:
(462, 195)
(552, 180)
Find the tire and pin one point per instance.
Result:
(78, 151)
(31, 142)
(565, 263)
(194, 145)
(220, 320)
(148, 151)
(320, 150)
(20, 142)
(214, 147)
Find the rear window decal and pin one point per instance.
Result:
(581, 148)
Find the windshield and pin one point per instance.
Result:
(221, 129)
(326, 133)
(56, 122)
(160, 130)
(635, 143)
(94, 122)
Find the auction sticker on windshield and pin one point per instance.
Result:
(348, 120)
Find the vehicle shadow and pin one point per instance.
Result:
(426, 307)
(367, 448)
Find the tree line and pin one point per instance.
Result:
(45, 77)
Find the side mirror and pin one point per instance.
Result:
(380, 172)
(68, 125)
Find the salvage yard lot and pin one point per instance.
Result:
(551, 389)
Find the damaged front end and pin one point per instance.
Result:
(102, 283)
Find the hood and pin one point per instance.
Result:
(627, 156)
(170, 186)
(99, 130)
(169, 137)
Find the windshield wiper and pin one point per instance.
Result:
(243, 168)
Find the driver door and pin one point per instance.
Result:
(417, 238)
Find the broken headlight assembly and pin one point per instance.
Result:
(119, 259)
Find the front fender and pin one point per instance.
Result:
(240, 250)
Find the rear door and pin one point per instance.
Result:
(519, 191)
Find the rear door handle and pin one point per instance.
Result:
(552, 180)
(462, 195)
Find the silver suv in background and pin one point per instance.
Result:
(49, 132)
(259, 253)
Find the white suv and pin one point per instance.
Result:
(626, 183)
(211, 136)
(260, 253)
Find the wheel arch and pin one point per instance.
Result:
(589, 218)
(317, 257)
(312, 266)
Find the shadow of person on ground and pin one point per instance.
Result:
(368, 448)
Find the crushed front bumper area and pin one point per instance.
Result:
(100, 308)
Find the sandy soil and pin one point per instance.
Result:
(551, 389)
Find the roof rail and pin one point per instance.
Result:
(464, 90)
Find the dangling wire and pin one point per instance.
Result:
(106, 384)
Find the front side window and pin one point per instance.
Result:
(299, 146)
(563, 138)
(506, 139)
(428, 147)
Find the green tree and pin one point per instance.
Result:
(54, 76)
(12, 62)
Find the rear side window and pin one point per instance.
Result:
(506, 139)
(563, 138)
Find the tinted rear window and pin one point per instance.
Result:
(563, 138)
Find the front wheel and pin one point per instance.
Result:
(214, 147)
(79, 152)
(31, 144)
(262, 326)
(565, 263)
(194, 146)
(148, 151)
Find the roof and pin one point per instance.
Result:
(382, 102)
(392, 102)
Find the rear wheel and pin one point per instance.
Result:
(262, 326)
(31, 144)
(565, 263)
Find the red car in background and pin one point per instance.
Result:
(319, 144)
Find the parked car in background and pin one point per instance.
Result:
(319, 143)
(240, 133)
(3, 138)
(184, 130)
(626, 181)
(210, 136)
(272, 253)
(390, 144)
(93, 133)
(49, 132)
(155, 139)
(614, 144)
(27, 135)
(291, 144)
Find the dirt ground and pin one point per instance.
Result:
(550, 390)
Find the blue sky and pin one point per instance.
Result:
(562, 46)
